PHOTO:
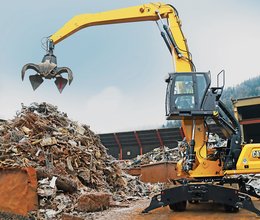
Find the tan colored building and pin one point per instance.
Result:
(247, 111)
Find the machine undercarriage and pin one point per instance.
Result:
(198, 191)
(210, 166)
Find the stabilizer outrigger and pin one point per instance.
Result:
(232, 199)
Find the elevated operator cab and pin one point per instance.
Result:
(189, 95)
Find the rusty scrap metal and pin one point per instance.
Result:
(42, 137)
(160, 154)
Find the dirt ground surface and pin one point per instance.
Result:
(194, 211)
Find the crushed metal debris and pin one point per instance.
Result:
(70, 160)
(160, 154)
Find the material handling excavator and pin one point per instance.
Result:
(217, 173)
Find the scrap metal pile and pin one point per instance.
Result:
(70, 160)
(160, 154)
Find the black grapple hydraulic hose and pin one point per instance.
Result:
(166, 28)
(191, 148)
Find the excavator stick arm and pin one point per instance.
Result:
(172, 34)
(146, 12)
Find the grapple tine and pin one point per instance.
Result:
(70, 76)
(67, 70)
(36, 81)
(28, 66)
(48, 69)
(60, 83)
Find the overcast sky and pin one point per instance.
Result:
(119, 70)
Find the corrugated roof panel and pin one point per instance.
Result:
(148, 139)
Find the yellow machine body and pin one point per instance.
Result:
(148, 12)
(182, 63)
(249, 160)
(200, 163)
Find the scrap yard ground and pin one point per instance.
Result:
(194, 211)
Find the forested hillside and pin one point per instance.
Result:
(248, 88)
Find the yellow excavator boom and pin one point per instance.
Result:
(146, 12)
(170, 31)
